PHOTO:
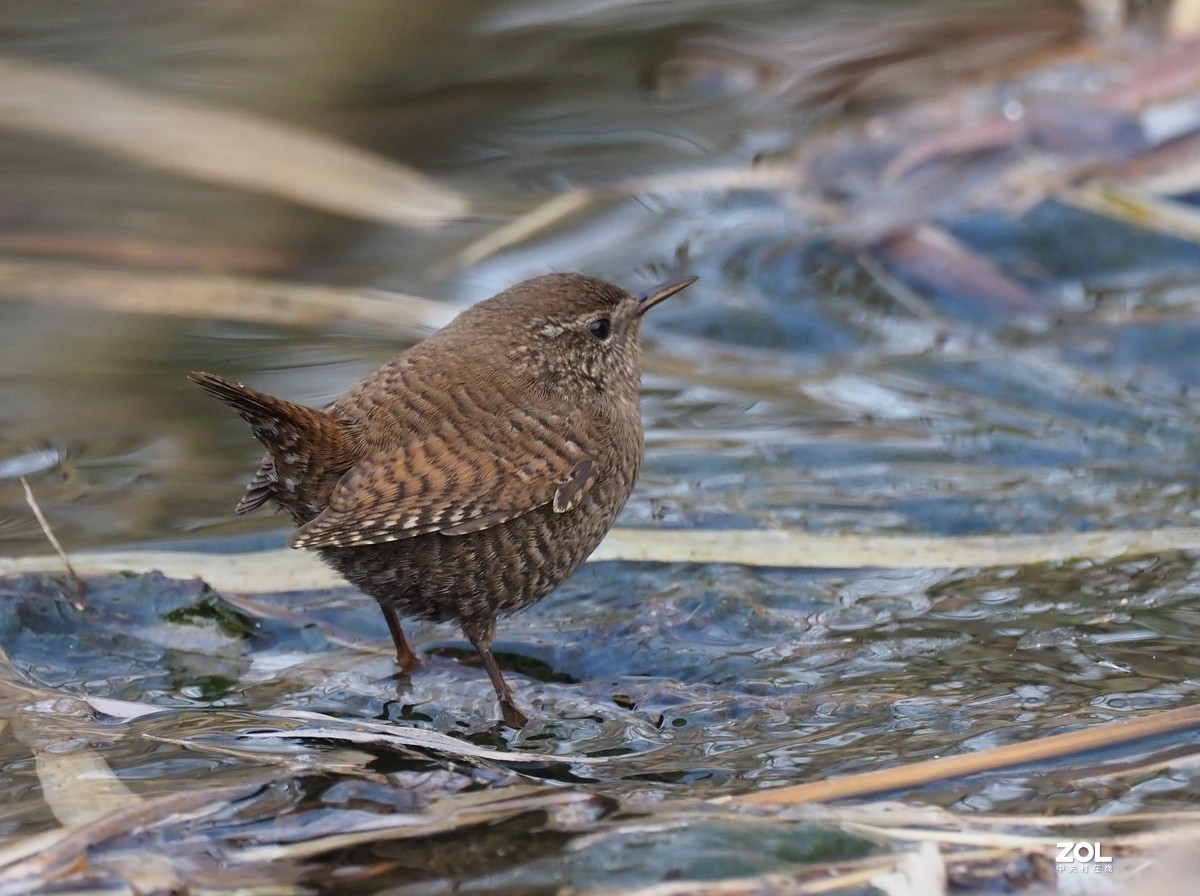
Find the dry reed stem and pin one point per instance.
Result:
(219, 145)
(77, 599)
(264, 572)
(917, 774)
(216, 297)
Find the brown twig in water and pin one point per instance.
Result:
(916, 774)
(80, 588)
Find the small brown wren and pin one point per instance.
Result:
(470, 475)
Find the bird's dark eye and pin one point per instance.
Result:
(600, 328)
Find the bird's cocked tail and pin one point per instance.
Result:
(307, 449)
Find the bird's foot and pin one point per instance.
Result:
(409, 664)
(512, 716)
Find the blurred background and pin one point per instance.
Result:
(949, 254)
(948, 249)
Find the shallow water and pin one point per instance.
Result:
(788, 388)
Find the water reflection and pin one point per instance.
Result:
(701, 675)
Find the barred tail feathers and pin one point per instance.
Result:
(306, 448)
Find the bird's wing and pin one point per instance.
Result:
(450, 482)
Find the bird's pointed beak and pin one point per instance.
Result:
(652, 297)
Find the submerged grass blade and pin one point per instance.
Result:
(785, 548)
(79, 787)
(364, 732)
(57, 854)
(284, 570)
(429, 823)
